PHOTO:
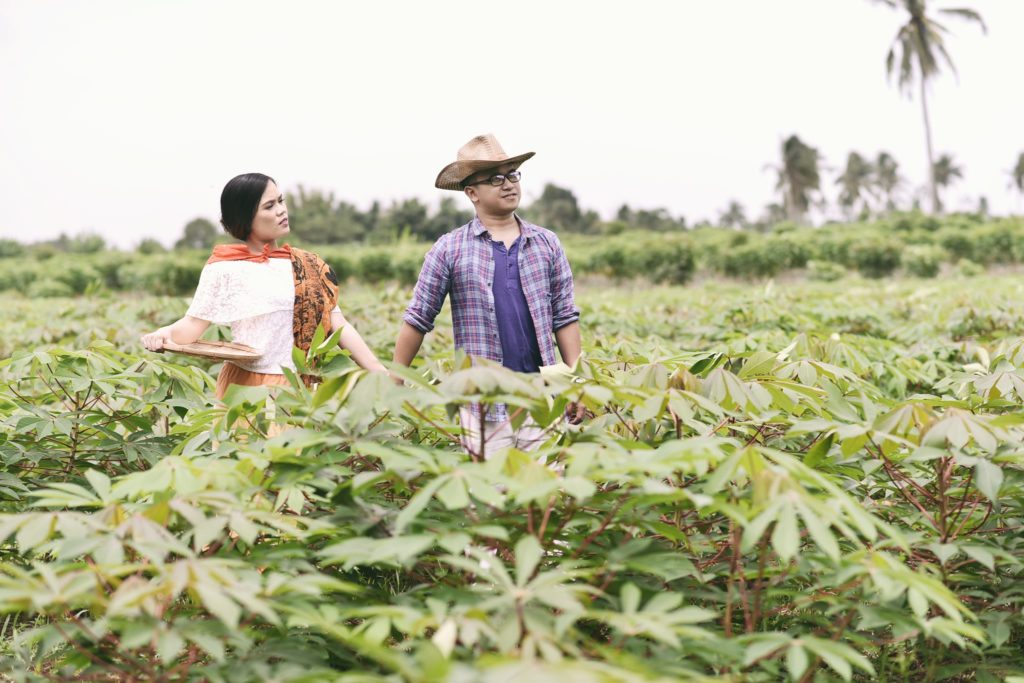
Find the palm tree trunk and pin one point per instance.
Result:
(792, 208)
(932, 189)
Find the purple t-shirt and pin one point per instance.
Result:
(519, 348)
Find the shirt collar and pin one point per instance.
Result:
(526, 228)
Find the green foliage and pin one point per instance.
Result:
(876, 258)
(558, 209)
(199, 233)
(375, 266)
(18, 274)
(76, 275)
(150, 246)
(45, 288)
(784, 483)
(170, 274)
(968, 268)
(959, 243)
(923, 260)
(666, 255)
(667, 260)
(660, 220)
(825, 271)
(753, 256)
(11, 248)
(86, 243)
(999, 242)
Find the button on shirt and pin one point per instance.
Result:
(519, 348)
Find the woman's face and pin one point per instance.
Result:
(271, 220)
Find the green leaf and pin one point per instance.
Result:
(796, 661)
(168, 644)
(753, 532)
(988, 477)
(980, 555)
(819, 451)
(786, 536)
(839, 656)
(35, 531)
(218, 604)
(819, 532)
(528, 554)
(453, 494)
(416, 504)
(100, 483)
(629, 598)
(445, 636)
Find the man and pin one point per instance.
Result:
(510, 284)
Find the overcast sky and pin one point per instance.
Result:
(127, 118)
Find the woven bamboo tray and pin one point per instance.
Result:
(219, 350)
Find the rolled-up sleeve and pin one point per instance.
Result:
(563, 303)
(432, 287)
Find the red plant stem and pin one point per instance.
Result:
(604, 524)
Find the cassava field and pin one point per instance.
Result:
(805, 482)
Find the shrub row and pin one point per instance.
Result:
(917, 244)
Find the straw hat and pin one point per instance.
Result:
(480, 153)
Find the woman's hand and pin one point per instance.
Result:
(155, 341)
(184, 331)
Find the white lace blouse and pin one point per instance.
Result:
(258, 301)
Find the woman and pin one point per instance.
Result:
(273, 297)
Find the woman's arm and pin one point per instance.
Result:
(354, 344)
(184, 331)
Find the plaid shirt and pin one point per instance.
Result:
(461, 263)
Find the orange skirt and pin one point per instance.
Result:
(232, 374)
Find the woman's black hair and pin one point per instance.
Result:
(239, 202)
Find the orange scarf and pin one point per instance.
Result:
(240, 252)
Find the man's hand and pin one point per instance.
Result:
(575, 412)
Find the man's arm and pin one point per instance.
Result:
(568, 340)
(408, 344)
(563, 304)
(565, 316)
(428, 297)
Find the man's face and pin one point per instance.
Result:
(494, 199)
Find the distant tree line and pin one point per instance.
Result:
(867, 188)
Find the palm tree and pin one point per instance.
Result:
(983, 208)
(857, 182)
(944, 172)
(917, 49)
(798, 177)
(1017, 177)
(774, 213)
(734, 216)
(887, 178)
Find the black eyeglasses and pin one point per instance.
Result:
(499, 179)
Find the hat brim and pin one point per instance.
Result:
(452, 175)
